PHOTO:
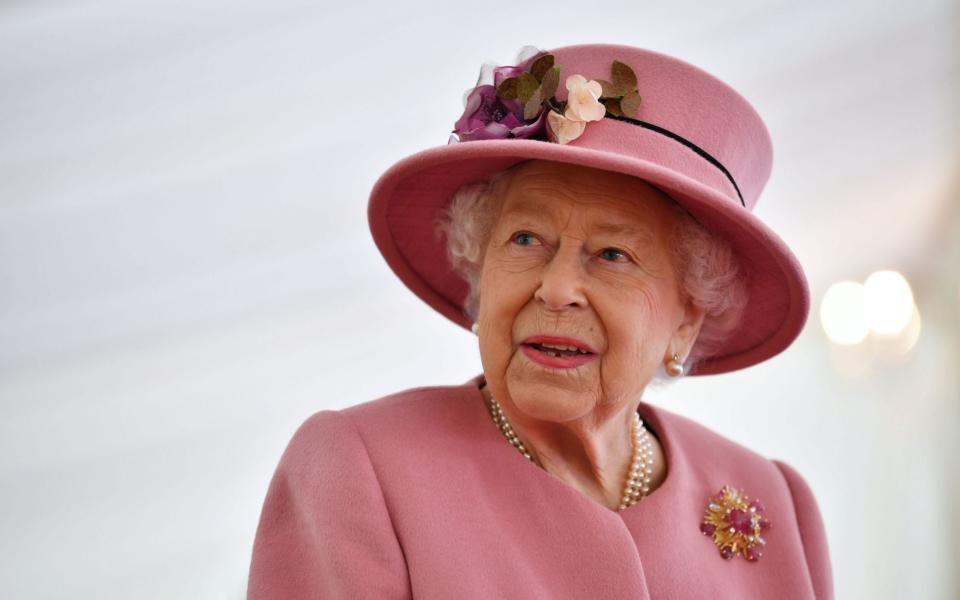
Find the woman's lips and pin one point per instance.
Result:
(538, 350)
(559, 341)
(556, 362)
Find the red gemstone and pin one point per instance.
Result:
(726, 553)
(741, 521)
(757, 505)
(765, 524)
(753, 554)
(708, 528)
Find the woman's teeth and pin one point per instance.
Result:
(557, 350)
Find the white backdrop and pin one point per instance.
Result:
(186, 272)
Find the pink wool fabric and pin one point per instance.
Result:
(419, 496)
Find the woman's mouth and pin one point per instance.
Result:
(557, 353)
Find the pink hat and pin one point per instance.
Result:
(691, 136)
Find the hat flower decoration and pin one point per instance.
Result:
(520, 102)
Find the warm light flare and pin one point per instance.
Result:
(882, 306)
(842, 313)
(888, 301)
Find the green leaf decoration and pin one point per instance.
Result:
(527, 85)
(624, 79)
(508, 88)
(549, 83)
(541, 66)
(608, 91)
(532, 106)
(613, 106)
(630, 104)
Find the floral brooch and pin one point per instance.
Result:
(519, 102)
(735, 522)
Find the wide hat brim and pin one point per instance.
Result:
(408, 198)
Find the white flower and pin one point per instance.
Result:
(562, 129)
(583, 99)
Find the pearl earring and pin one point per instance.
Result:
(674, 366)
(475, 327)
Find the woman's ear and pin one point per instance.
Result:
(687, 330)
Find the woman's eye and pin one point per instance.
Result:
(613, 255)
(524, 239)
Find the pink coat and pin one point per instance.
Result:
(418, 495)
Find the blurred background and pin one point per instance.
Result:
(186, 272)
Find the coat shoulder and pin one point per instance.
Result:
(705, 446)
(711, 459)
(415, 406)
(441, 418)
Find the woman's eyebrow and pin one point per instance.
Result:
(636, 232)
(535, 211)
(540, 212)
(621, 228)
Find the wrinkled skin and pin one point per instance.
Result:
(583, 254)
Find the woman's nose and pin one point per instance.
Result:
(561, 281)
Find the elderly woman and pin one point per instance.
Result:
(595, 243)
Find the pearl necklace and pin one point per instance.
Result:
(641, 468)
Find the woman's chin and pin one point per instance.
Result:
(551, 395)
(556, 405)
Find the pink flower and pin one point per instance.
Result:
(562, 129)
(583, 99)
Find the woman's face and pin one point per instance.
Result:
(579, 257)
